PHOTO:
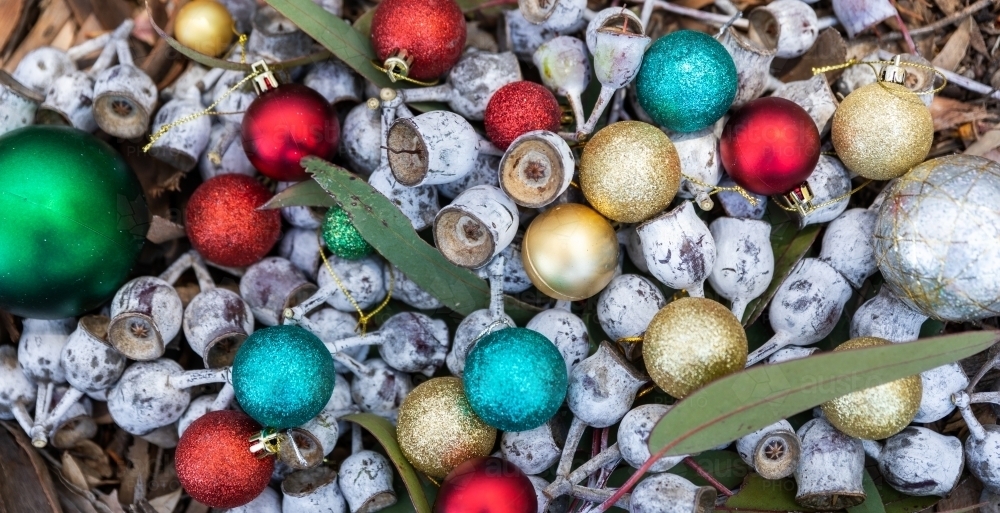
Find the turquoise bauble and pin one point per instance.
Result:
(283, 376)
(72, 221)
(515, 379)
(687, 81)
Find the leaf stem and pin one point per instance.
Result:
(707, 477)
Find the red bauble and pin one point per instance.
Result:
(223, 222)
(285, 124)
(770, 146)
(431, 32)
(518, 108)
(214, 462)
(486, 485)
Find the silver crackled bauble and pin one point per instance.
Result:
(937, 238)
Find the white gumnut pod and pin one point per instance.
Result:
(744, 265)
(848, 245)
(465, 334)
(183, 144)
(271, 286)
(737, 206)
(633, 437)
(533, 451)
(515, 278)
(752, 55)
(619, 44)
(18, 104)
(790, 353)
(362, 278)
(828, 182)
(565, 68)
(981, 456)
(235, 104)
(471, 83)
(407, 291)
(918, 461)
(86, 345)
(146, 314)
(545, 504)
(314, 490)
(325, 426)
(69, 100)
(939, 384)
(330, 325)
(40, 346)
(432, 148)
(164, 437)
(41, 66)
(144, 399)
(886, 316)
(301, 247)
(773, 451)
(476, 226)
(558, 15)
(216, 322)
(536, 168)
(335, 81)
(360, 139)
(699, 153)
(831, 467)
(814, 95)
(670, 493)
(124, 97)
(485, 172)
(858, 15)
(679, 249)
(566, 331)
(793, 21)
(520, 36)
(379, 389)
(407, 341)
(627, 304)
(602, 387)
(17, 392)
(418, 204)
(309, 218)
(275, 38)
(198, 407)
(269, 501)
(628, 237)
(366, 482)
(233, 160)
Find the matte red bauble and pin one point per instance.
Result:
(518, 108)
(285, 124)
(429, 34)
(769, 146)
(223, 222)
(486, 485)
(214, 462)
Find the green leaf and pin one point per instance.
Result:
(873, 500)
(306, 193)
(896, 502)
(759, 494)
(744, 402)
(392, 235)
(789, 244)
(385, 433)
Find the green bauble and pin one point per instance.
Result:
(342, 237)
(73, 221)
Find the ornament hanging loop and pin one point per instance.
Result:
(263, 78)
(265, 443)
(892, 71)
(713, 189)
(363, 318)
(396, 67)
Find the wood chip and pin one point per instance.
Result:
(948, 113)
(45, 30)
(64, 39)
(162, 230)
(25, 481)
(953, 52)
(166, 503)
(829, 49)
(965, 494)
(72, 472)
(987, 142)
(949, 6)
(12, 11)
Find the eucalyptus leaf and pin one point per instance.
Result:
(896, 502)
(385, 433)
(306, 193)
(873, 499)
(759, 494)
(725, 466)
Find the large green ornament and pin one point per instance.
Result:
(72, 221)
(687, 81)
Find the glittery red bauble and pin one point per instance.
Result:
(223, 222)
(285, 124)
(431, 32)
(770, 146)
(214, 462)
(486, 485)
(518, 108)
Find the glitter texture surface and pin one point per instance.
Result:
(437, 429)
(882, 130)
(518, 108)
(687, 81)
(630, 171)
(937, 238)
(877, 412)
(431, 32)
(214, 462)
(223, 222)
(341, 237)
(692, 342)
(283, 376)
(515, 379)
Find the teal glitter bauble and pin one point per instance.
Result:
(341, 237)
(687, 81)
(515, 379)
(283, 376)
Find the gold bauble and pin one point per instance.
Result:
(692, 342)
(437, 429)
(570, 252)
(877, 412)
(205, 26)
(630, 171)
(882, 130)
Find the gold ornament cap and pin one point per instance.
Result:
(205, 26)
(570, 252)
(437, 429)
(630, 171)
(877, 412)
(692, 342)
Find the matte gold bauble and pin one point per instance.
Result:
(630, 171)
(205, 26)
(877, 412)
(882, 130)
(692, 342)
(437, 429)
(570, 252)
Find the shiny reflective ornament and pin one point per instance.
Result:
(882, 130)
(486, 485)
(419, 39)
(687, 81)
(518, 108)
(283, 376)
(692, 342)
(769, 146)
(877, 412)
(937, 238)
(341, 237)
(205, 26)
(570, 252)
(437, 429)
(74, 221)
(214, 462)
(224, 224)
(515, 379)
(630, 171)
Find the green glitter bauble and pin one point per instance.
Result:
(73, 221)
(342, 237)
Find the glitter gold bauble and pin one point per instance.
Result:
(205, 26)
(570, 252)
(877, 412)
(882, 130)
(437, 429)
(630, 171)
(692, 342)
